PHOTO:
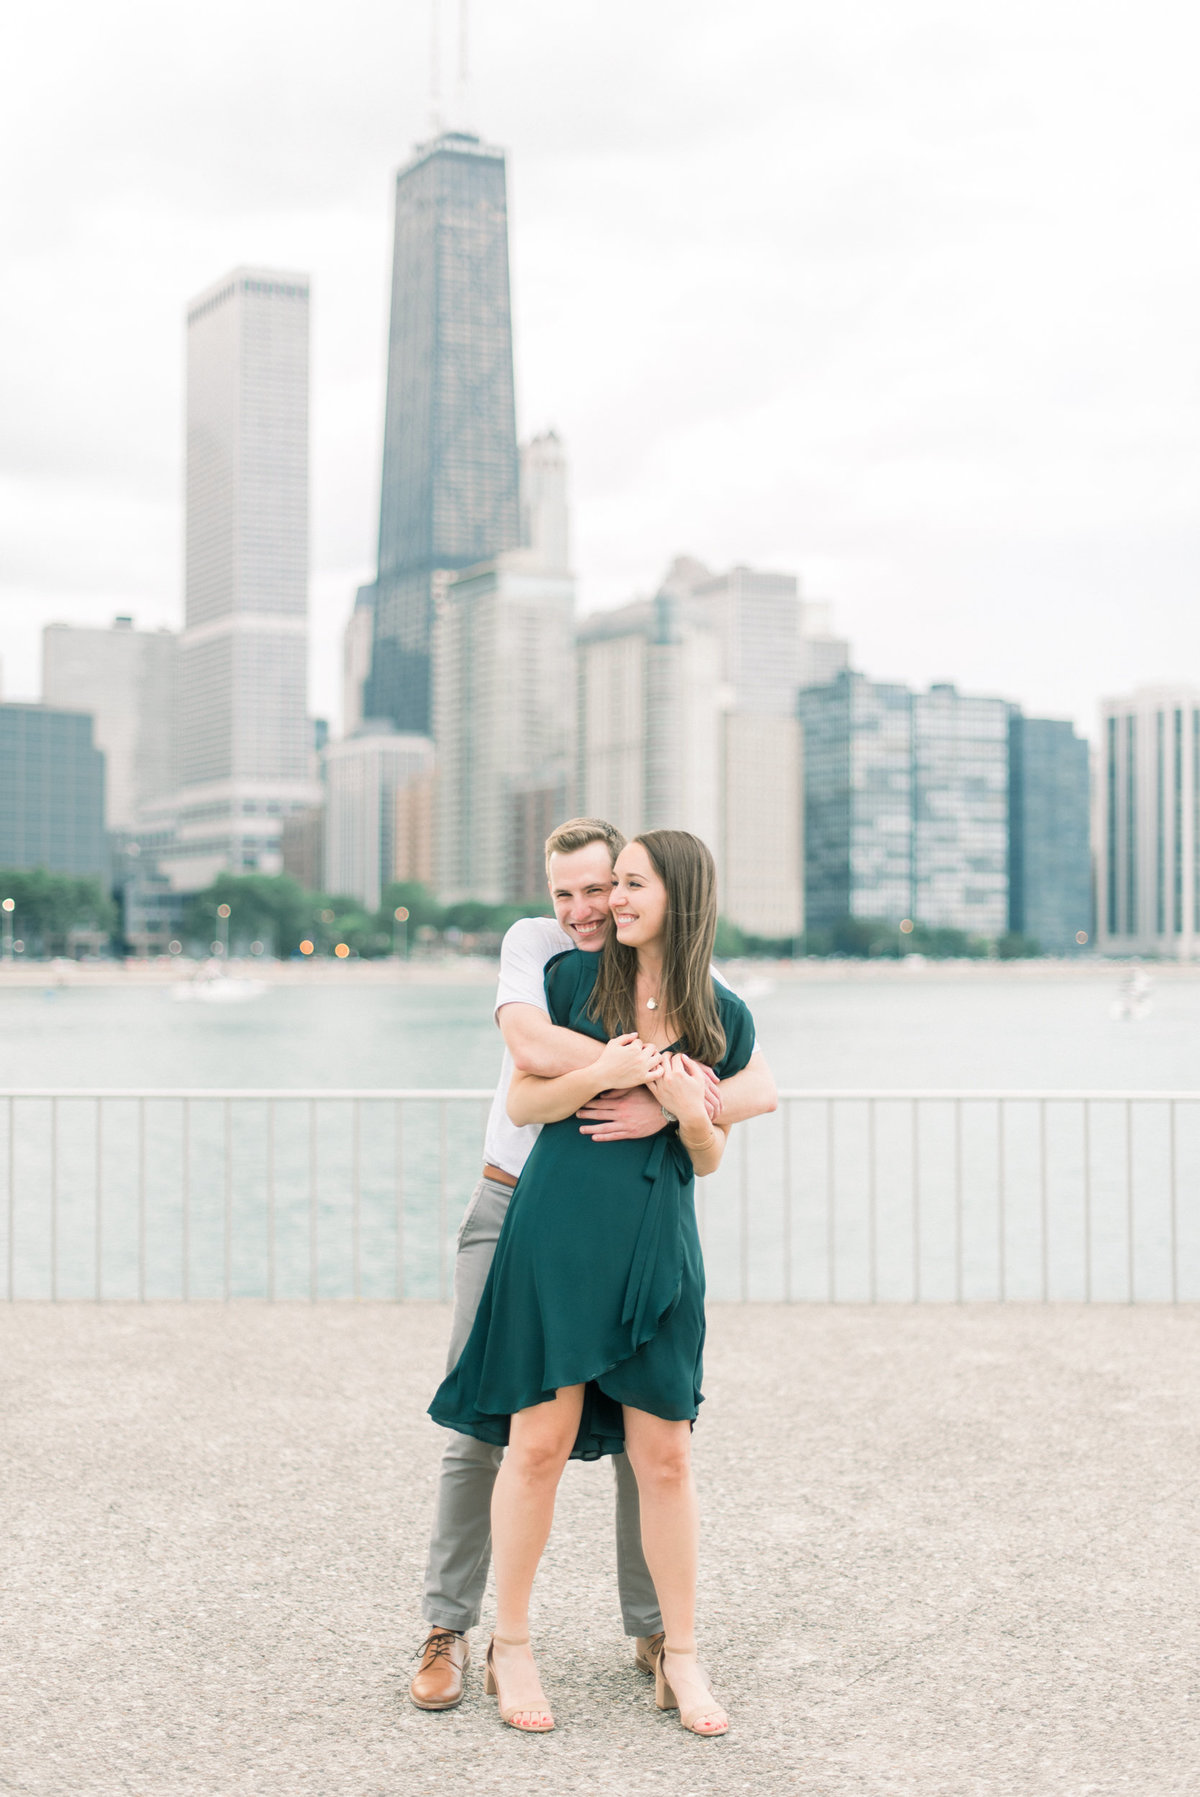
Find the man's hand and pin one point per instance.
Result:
(622, 1116)
(712, 1094)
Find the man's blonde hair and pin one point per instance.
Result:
(577, 832)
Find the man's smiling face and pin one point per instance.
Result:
(581, 885)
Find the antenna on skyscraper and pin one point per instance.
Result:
(461, 92)
(435, 67)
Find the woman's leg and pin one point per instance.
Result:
(660, 1453)
(539, 1445)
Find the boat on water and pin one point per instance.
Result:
(212, 984)
(1132, 1002)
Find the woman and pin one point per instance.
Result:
(589, 1334)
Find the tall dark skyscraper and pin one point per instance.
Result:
(450, 469)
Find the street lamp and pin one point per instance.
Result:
(400, 916)
(223, 946)
(8, 906)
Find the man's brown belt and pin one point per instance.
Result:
(499, 1175)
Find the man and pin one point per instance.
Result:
(579, 863)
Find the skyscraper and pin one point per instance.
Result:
(127, 680)
(960, 822)
(51, 792)
(906, 805)
(364, 775)
(649, 752)
(503, 725)
(858, 808)
(449, 497)
(757, 619)
(245, 743)
(1148, 839)
(1049, 851)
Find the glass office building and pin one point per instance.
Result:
(960, 811)
(1050, 860)
(858, 800)
(51, 792)
(906, 805)
(449, 496)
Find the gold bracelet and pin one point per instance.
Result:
(699, 1147)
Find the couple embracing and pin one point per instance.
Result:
(579, 1285)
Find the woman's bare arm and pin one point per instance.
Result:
(623, 1062)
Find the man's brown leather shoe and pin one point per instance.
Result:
(438, 1683)
(645, 1647)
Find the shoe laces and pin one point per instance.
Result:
(437, 1646)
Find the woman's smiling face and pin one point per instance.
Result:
(639, 899)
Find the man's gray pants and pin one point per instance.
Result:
(460, 1548)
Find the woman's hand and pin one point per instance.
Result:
(626, 1061)
(682, 1088)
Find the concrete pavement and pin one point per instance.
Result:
(946, 1551)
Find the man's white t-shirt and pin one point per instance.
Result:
(526, 948)
(528, 945)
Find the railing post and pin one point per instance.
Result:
(958, 1203)
(786, 1218)
(10, 1244)
(98, 1204)
(227, 1135)
(185, 1211)
(1001, 1206)
(744, 1216)
(54, 1200)
(399, 1154)
(442, 1205)
(872, 1205)
(1087, 1201)
(141, 1200)
(312, 1200)
(1129, 1267)
(1045, 1200)
(270, 1200)
(1174, 1211)
(916, 1198)
(355, 1219)
(830, 1206)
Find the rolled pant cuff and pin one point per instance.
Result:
(448, 1619)
(645, 1626)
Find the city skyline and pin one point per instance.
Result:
(944, 265)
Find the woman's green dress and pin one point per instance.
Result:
(598, 1278)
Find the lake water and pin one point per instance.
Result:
(924, 1029)
(880, 1200)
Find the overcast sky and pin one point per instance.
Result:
(902, 295)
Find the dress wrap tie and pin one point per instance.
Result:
(652, 1290)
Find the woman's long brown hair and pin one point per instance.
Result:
(686, 868)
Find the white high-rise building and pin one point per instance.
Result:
(366, 842)
(503, 663)
(356, 658)
(1148, 823)
(688, 722)
(756, 618)
(503, 725)
(760, 848)
(649, 752)
(545, 506)
(127, 680)
(822, 655)
(246, 759)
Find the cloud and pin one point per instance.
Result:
(898, 295)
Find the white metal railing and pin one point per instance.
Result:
(842, 1195)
